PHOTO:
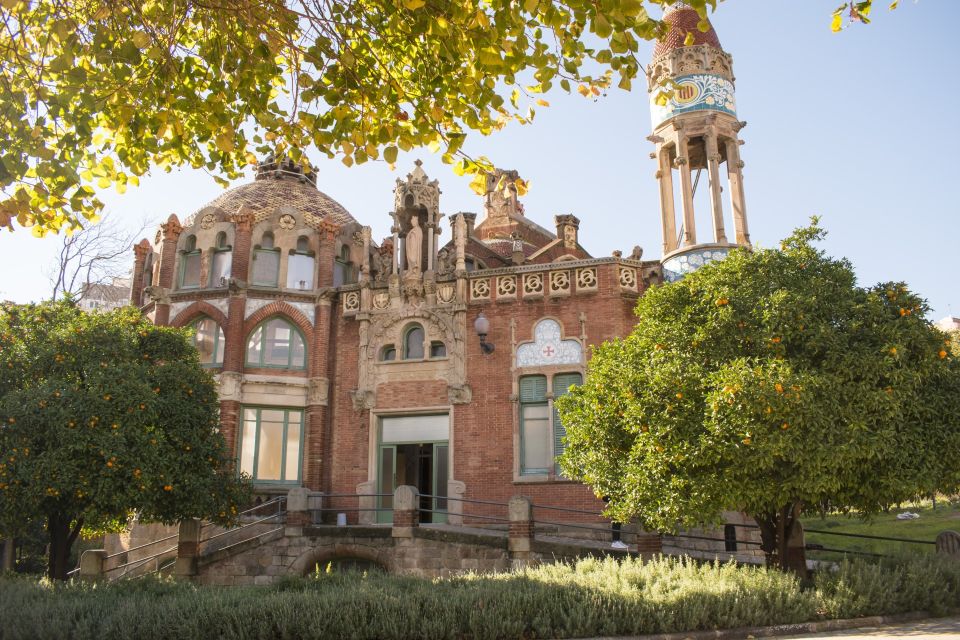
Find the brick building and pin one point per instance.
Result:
(350, 366)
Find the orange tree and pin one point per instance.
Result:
(103, 416)
(767, 383)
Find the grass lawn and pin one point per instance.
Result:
(930, 523)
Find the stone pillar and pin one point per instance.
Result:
(460, 240)
(168, 265)
(431, 250)
(365, 258)
(298, 511)
(520, 543)
(243, 221)
(326, 254)
(406, 511)
(713, 166)
(397, 262)
(9, 555)
(948, 543)
(317, 397)
(230, 421)
(686, 188)
(667, 210)
(188, 548)
(92, 562)
(140, 252)
(738, 201)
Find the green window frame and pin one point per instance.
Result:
(534, 426)
(190, 264)
(264, 341)
(270, 447)
(561, 386)
(214, 353)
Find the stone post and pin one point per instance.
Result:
(713, 166)
(520, 542)
(667, 211)
(406, 512)
(686, 192)
(298, 514)
(92, 563)
(9, 557)
(188, 548)
(948, 543)
(460, 241)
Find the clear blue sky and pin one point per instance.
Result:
(860, 127)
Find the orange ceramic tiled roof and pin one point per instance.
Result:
(266, 195)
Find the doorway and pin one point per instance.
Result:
(411, 452)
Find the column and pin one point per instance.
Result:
(168, 261)
(686, 187)
(396, 248)
(667, 211)
(460, 241)
(140, 252)
(405, 511)
(316, 411)
(737, 200)
(713, 166)
(430, 241)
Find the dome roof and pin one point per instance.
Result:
(268, 193)
(683, 19)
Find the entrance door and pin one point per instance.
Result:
(414, 451)
(423, 465)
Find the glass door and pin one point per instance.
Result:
(387, 482)
(440, 472)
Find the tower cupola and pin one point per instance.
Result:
(695, 131)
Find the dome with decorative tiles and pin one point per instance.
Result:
(683, 20)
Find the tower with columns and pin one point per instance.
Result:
(695, 131)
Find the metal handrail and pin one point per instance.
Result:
(352, 510)
(356, 495)
(693, 537)
(127, 565)
(243, 526)
(278, 500)
(567, 509)
(464, 515)
(868, 536)
(470, 500)
(141, 546)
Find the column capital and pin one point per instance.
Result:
(171, 228)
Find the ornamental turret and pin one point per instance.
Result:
(695, 131)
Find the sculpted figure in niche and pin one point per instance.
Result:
(383, 263)
(414, 245)
(446, 262)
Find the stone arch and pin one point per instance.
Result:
(310, 558)
(280, 309)
(197, 309)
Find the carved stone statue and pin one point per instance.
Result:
(414, 246)
(383, 263)
(446, 262)
(637, 253)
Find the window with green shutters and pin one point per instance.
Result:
(561, 386)
(535, 442)
(271, 441)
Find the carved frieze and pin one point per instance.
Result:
(351, 302)
(507, 287)
(587, 279)
(480, 289)
(559, 283)
(532, 285)
(628, 278)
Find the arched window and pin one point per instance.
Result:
(276, 343)
(209, 342)
(343, 271)
(222, 262)
(438, 350)
(413, 343)
(300, 266)
(388, 353)
(266, 262)
(190, 264)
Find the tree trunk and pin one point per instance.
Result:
(62, 537)
(779, 533)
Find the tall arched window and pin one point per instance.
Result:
(190, 264)
(222, 262)
(413, 343)
(209, 342)
(276, 343)
(300, 266)
(266, 262)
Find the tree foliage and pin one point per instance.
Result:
(103, 415)
(768, 383)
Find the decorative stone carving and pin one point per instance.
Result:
(637, 253)
(628, 278)
(548, 347)
(446, 262)
(569, 238)
(532, 284)
(230, 385)
(381, 300)
(383, 263)
(480, 289)
(413, 246)
(158, 295)
(587, 279)
(559, 283)
(461, 394)
(207, 221)
(507, 287)
(351, 302)
(318, 391)
(446, 293)
(363, 399)
(417, 191)
(287, 221)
